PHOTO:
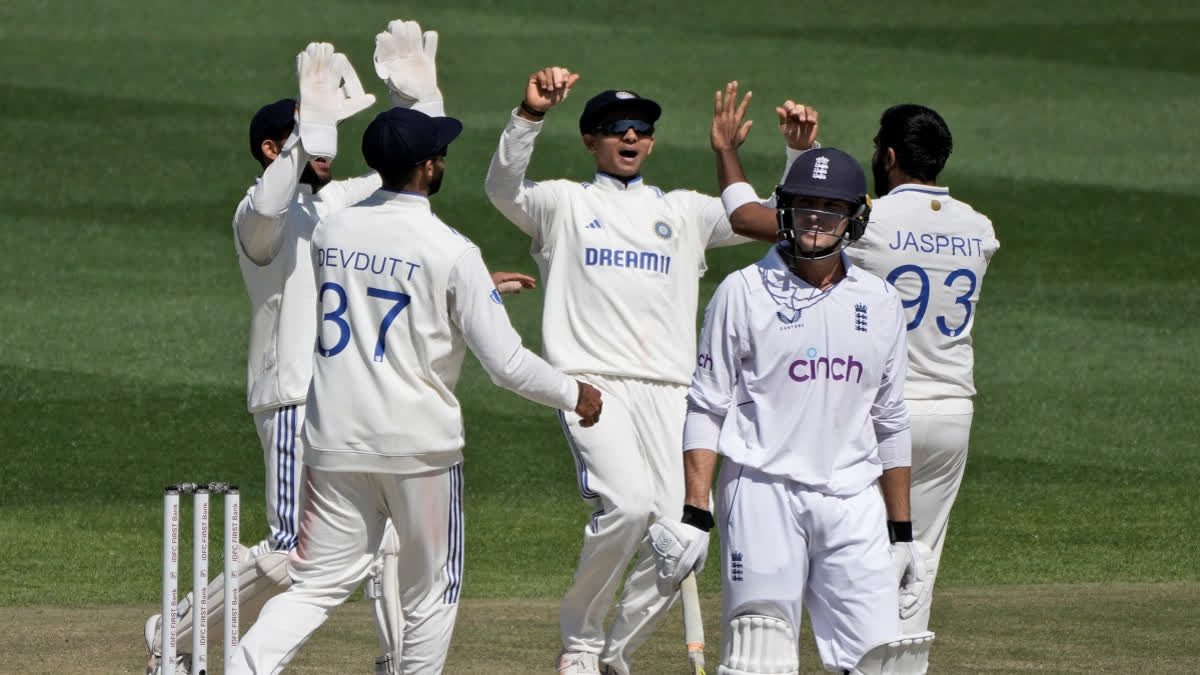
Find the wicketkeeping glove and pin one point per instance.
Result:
(329, 93)
(678, 549)
(405, 60)
(915, 571)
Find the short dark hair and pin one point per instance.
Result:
(274, 122)
(919, 137)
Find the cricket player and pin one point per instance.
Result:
(401, 297)
(935, 250)
(799, 386)
(621, 261)
(272, 230)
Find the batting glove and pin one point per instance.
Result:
(405, 61)
(679, 549)
(329, 93)
(915, 571)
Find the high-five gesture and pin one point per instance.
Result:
(405, 59)
(728, 129)
(547, 88)
(329, 93)
(798, 124)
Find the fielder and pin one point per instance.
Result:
(402, 295)
(272, 229)
(621, 261)
(799, 386)
(935, 249)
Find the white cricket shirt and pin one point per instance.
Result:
(402, 295)
(935, 250)
(620, 263)
(806, 381)
(272, 227)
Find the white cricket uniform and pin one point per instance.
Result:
(935, 250)
(272, 226)
(620, 265)
(801, 390)
(402, 296)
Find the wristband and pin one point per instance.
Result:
(899, 530)
(532, 110)
(736, 196)
(697, 518)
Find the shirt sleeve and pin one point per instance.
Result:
(478, 311)
(710, 214)
(889, 413)
(258, 222)
(720, 350)
(527, 204)
(340, 194)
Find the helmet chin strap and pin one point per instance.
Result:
(790, 251)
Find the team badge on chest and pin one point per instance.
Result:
(860, 318)
(662, 229)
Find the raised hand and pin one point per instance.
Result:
(405, 59)
(548, 87)
(728, 129)
(798, 124)
(329, 93)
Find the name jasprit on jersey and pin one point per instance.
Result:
(364, 262)
(931, 242)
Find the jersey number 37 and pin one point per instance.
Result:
(336, 317)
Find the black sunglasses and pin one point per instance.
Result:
(620, 127)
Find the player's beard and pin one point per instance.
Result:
(436, 183)
(310, 178)
(880, 174)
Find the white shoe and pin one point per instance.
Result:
(183, 662)
(578, 663)
(152, 640)
(183, 665)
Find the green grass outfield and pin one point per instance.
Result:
(124, 318)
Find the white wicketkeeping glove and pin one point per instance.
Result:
(678, 550)
(329, 93)
(405, 60)
(915, 570)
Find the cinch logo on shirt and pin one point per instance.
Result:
(813, 367)
(638, 260)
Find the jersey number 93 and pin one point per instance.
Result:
(921, 302)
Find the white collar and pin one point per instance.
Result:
(613, 183)
(918, 187)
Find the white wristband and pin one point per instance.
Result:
(736, 196)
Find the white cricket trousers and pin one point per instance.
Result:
(344, 521)
(283, 457)
(941, 431)
(630, 469)
(784, 546)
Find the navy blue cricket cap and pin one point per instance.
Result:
(601, 103)
(401, 138)
(272, 122)
(828, 173)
